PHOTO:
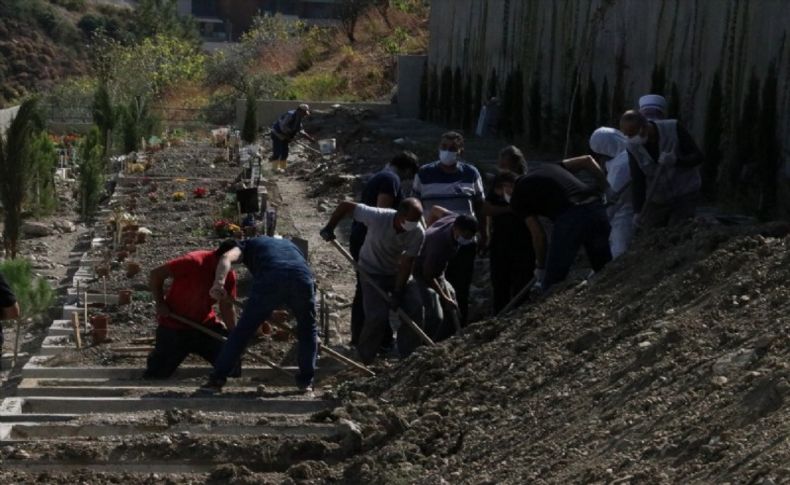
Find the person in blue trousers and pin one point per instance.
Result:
(281, 279)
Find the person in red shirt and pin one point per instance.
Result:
(188, 296)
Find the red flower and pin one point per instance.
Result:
(200, 192)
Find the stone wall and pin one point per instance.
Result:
(6, 117)
(724, 65)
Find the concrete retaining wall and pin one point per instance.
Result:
(725, 64)
(6, 117)
(269, 111)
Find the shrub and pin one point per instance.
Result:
(34, 295)
(250, 129)
(320, 87)
(91, 179)
(44, 158)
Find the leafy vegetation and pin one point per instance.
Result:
(16, 167)
(91, 176)
(248, 133)
(42, 197)
(34, 295)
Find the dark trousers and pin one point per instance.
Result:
(355, 240)
(672, 213)
(173, 346)
(580, 226)
(459, 273)
(275, 289)
(511, 269)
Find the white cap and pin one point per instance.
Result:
(304, 108)
(653, 105)
(607, 141)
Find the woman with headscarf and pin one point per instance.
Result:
(609, 149)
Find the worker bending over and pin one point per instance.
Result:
(447, 233)
(284, 131)
(386, 260)
(281, 278)
(192, 276)
(608, 146)
(383, 190)
(579, 218)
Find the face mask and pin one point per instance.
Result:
(637, 140)
(447, 157)
(409, 226)
(462, 241)
(507, 197)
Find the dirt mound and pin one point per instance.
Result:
(671, 367)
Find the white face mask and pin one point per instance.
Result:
(506, 196)
(409, 226)
(462, 241)
(637, 140)
(446, 157)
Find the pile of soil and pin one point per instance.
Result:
(670, 367)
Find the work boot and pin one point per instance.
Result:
(306, 390)
(212, 387)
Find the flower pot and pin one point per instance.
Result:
(132, 268)
(100, 324)
(265, 329)
(124, 297)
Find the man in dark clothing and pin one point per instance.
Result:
(9, 308)
(281, 278)
(447, 233)
(188, 296)
(284, 130)
(510, 249)
(384, 191)
(663, 156)
(576, 210)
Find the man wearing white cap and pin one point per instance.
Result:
(653, 107)
(664, 162)
(609, 149)
(284, 130)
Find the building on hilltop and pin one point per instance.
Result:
(227, 20)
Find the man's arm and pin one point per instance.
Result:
(538, 241)
(224, 265)
(343, 210)
(437, 213)
(156, 283)
(405, 267)
(587, 163)
(228, 313)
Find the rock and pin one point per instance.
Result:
(65, 226)
(734, 361)
(36, 229)
(20, 455)
(719, 381)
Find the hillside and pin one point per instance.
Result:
(43, 41)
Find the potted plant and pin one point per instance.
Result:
(100, 328)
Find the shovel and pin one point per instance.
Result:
(223, 339)
(516, 299)
(331, 353)
(401, 314)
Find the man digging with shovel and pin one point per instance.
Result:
(281, 278)
(386, 260)
(188, 298)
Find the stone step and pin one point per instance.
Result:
(53, 431)
(114, 405)
(32, 371)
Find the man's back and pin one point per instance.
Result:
(438, 249)
(188, 296)
(384, 182)
(547, 191)
(264, 253)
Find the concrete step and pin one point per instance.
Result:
(32, 371)
(114, 405)
(53, 431)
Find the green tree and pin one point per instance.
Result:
(104, 115)
(250, 121)
(91, 180)
(15, 169)
(44, 157)
(34, 295)
(155, 17)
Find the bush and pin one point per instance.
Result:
(34, 295)
(91, 180)
(320, 87)
(250, 129)
(71, 5)
(42, 198)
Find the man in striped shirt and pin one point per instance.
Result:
(456, 186)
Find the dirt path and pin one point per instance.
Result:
(333, 273)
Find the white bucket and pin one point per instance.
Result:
(327, 146)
